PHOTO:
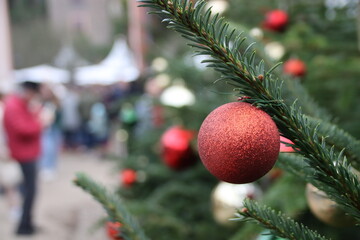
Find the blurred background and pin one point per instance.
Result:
(133, 96)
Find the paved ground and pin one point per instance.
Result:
(63, 211)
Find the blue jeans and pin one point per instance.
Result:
(51, 140)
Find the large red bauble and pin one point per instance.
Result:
(176, 148)
(238, 143)
(295, 67)
(112, 230)
(276, 20)
(128, 177)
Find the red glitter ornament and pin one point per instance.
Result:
(112, 230)
(238, 143)
(128, 177)
(176, 148)
(295, 67)
(276, 20)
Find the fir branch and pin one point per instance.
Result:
(294, 90)
(278, 224)
(112, 204)
(340, 139)
(295, 164)
(204, 31)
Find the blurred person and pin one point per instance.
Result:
(148, 110)
(113, 96)
(70, 120)
(22, 125)
(98, 126)
(51, 136)
(10, 173)
(87, 99)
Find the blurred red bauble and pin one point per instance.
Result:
(295, 67)
(128, 177)
(176, 148)
(276, 20)
(275, 173)
(238, 143)
(112, 230)
(284, 147)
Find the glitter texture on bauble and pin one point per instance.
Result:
(238, 143)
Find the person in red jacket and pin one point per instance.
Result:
(22, 126)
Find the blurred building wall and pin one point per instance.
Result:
(91, 18)
(137, 33)
(6, 62)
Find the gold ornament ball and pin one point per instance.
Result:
(226, 198)
(325, 209)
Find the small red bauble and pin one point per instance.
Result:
(295, 67)
(275, 173)
(176, 148)
(238, 143)
(128, 177)
(112, 230)
(276, 20)
(284, 147)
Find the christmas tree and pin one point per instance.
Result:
(325, 155)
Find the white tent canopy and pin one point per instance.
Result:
(118, 66)
(67, 57)
(42, 73)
